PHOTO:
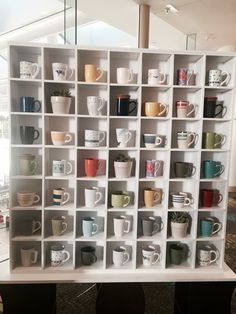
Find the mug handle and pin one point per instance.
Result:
(157, 166)
(98, 197)
(163, 77)
(68, 138)
(126, 255)
(39, 105)
(99, 73)
(127, 197)
(227, 78)
(221, 141)
(66, 256)
(101, 104)
(156, 228)
(191, 111)
(218, 226)
(71, 74)
(189, 75)
(158, 140)
(64, 227)
(129, 135)
(102, 136)
(193, 171)
(221, 170)
(93, 258)
(36, 72)
(34, 256)
(135, 105)
(164, 110)
(221, 110)
(130, 76)
(128, 226)
(36, 134)
(69, 164)
(216, 253)
(157, 197)
(36, 199)
(187, 201)
(220, 198)
(193, 135)
(37, 226)
(94, 228)
(157, 255)
(66, 198)
(34, 165)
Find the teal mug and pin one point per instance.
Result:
(209, 226)
(212, 169)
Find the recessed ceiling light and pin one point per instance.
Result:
(171, 9)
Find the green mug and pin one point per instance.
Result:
(119, 199)
(27, 165)
(179, 252)
(212, 140)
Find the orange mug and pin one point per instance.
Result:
(91, 166)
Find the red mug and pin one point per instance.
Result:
(210, 197)
(91, 166)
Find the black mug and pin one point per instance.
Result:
(211, 108)
(88, 256)
(123, 105)
(28, 134)
(29, 104)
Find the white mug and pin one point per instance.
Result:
(186, 139)
(58, 255)
(216, 78)
(124, 75)
(29, 256)
(60, 72)
(206, 255)
(121, 225)
(120, 256)
(59, 168)
(89, 227)
(95, 105)
(123, 136)
(150, 256)
(28, 70)
(92, 197)
(156, 77)
(93, 138)
(60, 138)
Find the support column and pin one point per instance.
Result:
(143, 26)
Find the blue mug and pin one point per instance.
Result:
(209, 226)
(29, 104)
(212, 169)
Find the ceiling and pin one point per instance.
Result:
(214, 21)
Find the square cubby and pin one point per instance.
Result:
(120, 255)
(150, 255)
(27, 225)
(185, 135)
(123, 133)
(91, 194)
(122, 164)
(184, 165)
(58, 255)
(91, 164)
(181, 224)
(216, 135)
(90, 225)
(213, 195)
(209, 254)
(187, 191)
(26, 255)
(211, 225)
(214, 165)
(180, 254)
(153, 194)
(151, 225)
(58, 225)
(129, 96)
(121, 225)
(89, 255)
(122, 195)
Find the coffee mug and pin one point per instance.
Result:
(150, 255)
(220, 109)
(58, 255)
(92, 196)
(151, 225)
(179, 252)
(61, 105)
(121, 225)
(210, 197)
(212, 169)
(218, 78)
(120, 256)
(179, 200)
(60, 138)
(184, 109)
(59, 226)
(28, 134)
(212, 140)
(28, 225)
(119, 199)
(206, 255)
(28, 70)
(61, 168)
(209, 107)
(184, 169)
(61, 72)
(155, 109)
(184, 76)
(29, 104)
(91, 166)
(89, 227)
(123, 105)
(123, 136)
(93, 138)
(88, 256)
(60, 197)
(209, 226)
(27, 198)
(155, 77)
(95, 105)
(154, 168)
(124, 75)
(92, 73)
(152, 196)
(152, 140)
(186, 139)
(29, 256)
(27, 165)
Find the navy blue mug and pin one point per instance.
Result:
(123, 105)
(29, 104)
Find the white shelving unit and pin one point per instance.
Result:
(78, 119)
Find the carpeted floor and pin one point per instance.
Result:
(81, 298)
